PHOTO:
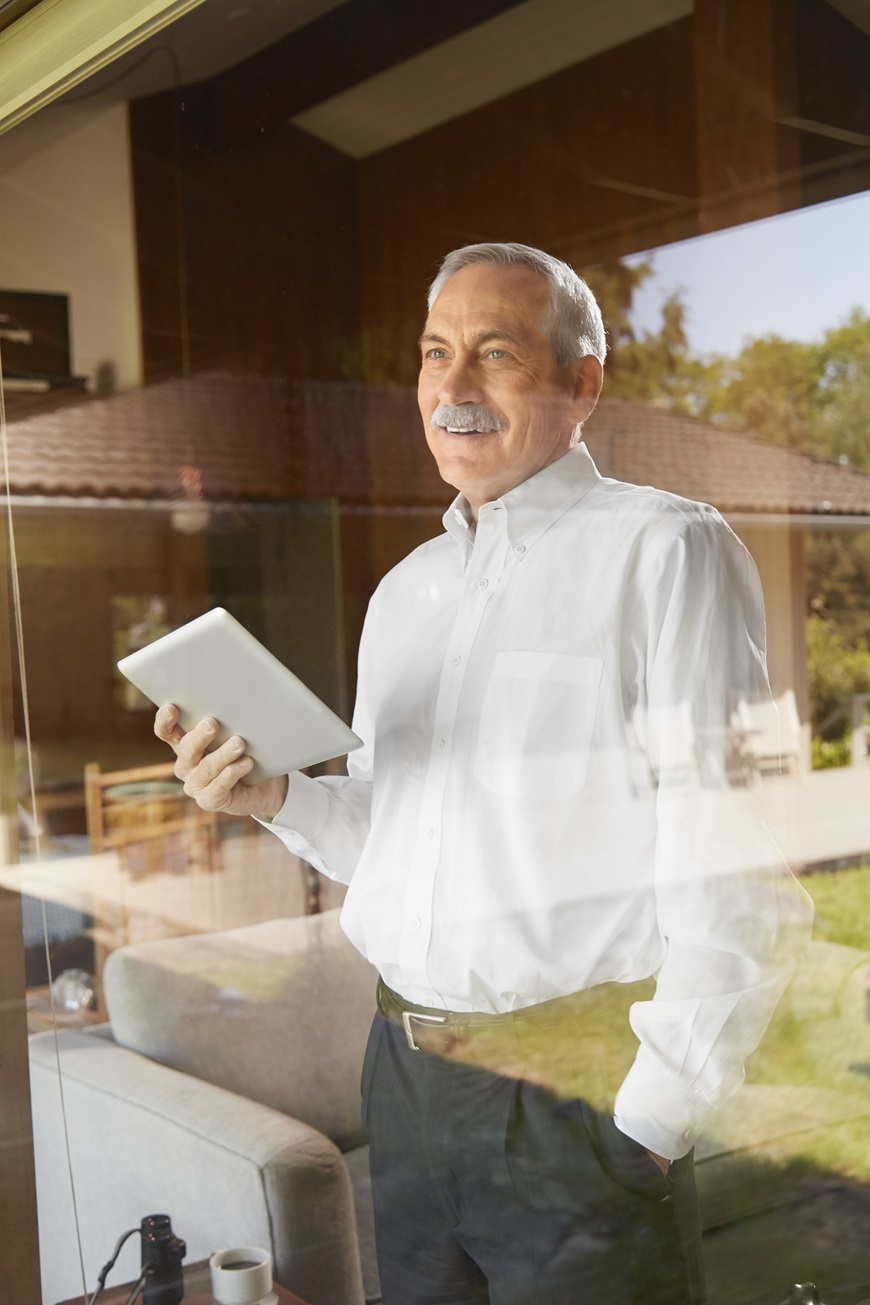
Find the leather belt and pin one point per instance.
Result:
(446, 1033)
(580, 1045)
(437, 1032)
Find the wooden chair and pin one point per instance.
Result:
(144, 814)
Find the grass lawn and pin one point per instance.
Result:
(842, 901)
(807, 1199)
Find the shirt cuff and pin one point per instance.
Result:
(657, 1110)
(303, 814)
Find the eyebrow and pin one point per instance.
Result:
(485, 337)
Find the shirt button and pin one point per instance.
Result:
(688, 1134)
(430, 832)
(440, 745)
(416, 922)
(456, 660)
(521, 548)
(482, 584)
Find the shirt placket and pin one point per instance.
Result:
(483, 573)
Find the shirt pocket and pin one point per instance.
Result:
(536, 724)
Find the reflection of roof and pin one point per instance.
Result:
(652, 446)
(242, 438)
(636, 442)
(209, 436)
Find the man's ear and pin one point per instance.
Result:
(588, 376)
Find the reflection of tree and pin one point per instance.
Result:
(838, 582)
(838, 636)
(813, 396)
(809, 395)
(769, 389)
(657, 366)
(843, 427)
(836, 671)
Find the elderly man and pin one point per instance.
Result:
(580, 934)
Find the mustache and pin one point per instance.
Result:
(469, 416)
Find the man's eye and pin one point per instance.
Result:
(498, 354)
(436, 354)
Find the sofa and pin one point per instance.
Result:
(225, 1092)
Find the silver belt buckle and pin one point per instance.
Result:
(408, 1015)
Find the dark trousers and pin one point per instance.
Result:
(494, 1188)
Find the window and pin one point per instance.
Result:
(219, 222)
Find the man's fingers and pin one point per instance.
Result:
(216, 795)
(209, 766)
(190, 748)
(166, 725)
(210, 778)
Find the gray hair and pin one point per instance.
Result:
(572, 321)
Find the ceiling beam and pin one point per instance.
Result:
(515, 49)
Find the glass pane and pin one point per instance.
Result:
(575, 793)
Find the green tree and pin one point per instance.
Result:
(614, 284)
(771, 389)
(836, 671)
(656, 366)
(813, 396)
(838, 582)
(841, 426)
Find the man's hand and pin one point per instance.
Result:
(212, 779)
(660, 1160)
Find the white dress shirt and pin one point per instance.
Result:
(543, 800)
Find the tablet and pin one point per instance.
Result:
(213, 666)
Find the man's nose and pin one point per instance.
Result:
(460, 384)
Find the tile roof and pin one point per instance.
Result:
(228, 437)
(718, 465)
(214, 436)
(637, 442)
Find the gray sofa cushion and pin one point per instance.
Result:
(230, 1171)
(277, 1012)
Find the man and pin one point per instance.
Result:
(539, 822)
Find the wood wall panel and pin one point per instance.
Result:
(595, 161)
(247, 257)
(744, 82)
(157, 195)
(833, 92)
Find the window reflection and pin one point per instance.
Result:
(211, 283)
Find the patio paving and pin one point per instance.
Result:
(825, 815)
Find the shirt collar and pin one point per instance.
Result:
(532, 507)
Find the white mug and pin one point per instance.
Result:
(241, 1276)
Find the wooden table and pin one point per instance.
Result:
(197, 1290)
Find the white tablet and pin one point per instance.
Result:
(214, 667)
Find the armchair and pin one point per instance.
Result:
(225, 1093)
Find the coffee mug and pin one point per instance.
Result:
(241, 1276)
